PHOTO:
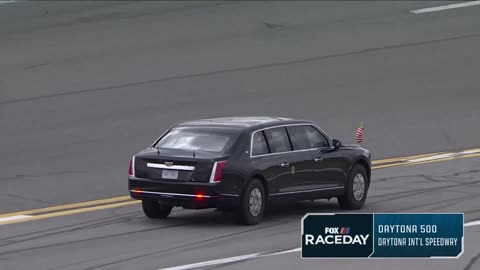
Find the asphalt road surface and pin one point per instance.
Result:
(123, 238)
(84, 85)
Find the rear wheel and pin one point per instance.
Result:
(355, 189)
(155, 209)
(252, 204)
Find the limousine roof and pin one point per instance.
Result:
(244, 122)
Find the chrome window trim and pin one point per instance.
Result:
(173, 167)
(230, 195)
(167, 193)
(161, 136)
(329, 140)
(303, 191)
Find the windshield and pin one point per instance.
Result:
(200, 140)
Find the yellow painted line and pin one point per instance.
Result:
(82, 207)
(472, 150)
(424, 162)
(404, 158)
(441, 159)
(387, 166)
(121, 198)
(67, 206)
(71, 212)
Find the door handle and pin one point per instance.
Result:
(318, 159)
(285, 164)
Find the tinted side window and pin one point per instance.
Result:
(259, 145)
(315, 137)
(277, 139)
(299, 138)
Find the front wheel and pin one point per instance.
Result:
(154, 209)
(355, 189)
(252, 203)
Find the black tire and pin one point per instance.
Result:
(244, 214)
(154, 209)
(348, 200)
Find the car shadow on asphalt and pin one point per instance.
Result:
(278, 212)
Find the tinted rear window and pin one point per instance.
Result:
(277, 139)
(198, 139)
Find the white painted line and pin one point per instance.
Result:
(439, 8)
(214, 262)
(444, 155)
(14, 218)
(284, 252)
(468, 152)
(257, 255)
(230, 260)
(431, 157)
(473, 223)
(7, 1)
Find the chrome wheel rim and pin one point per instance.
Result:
(255, 202)
(358, 187)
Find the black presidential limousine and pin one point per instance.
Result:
(243, 163)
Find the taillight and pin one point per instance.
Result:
(218, 168)
(131, 167)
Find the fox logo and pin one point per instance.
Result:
(337, 230)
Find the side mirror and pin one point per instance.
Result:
(336, 144)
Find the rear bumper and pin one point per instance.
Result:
(184, 194)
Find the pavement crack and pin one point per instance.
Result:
(273, 26)
(24, 176)
(36, 66)
(454, 177)
(65, 229)
(183, 246)
(239, 69)
(404, 194)
(437, 205)
(473, 261)
(12, 195)
(90, 239)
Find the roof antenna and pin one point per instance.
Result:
(194, 152)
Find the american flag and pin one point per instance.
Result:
(359, 134)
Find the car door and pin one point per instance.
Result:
(328, 166)
(305, 162)
(284, 167)
(267, 163)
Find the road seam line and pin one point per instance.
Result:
(445, 7)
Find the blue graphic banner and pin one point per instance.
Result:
(382, 235)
